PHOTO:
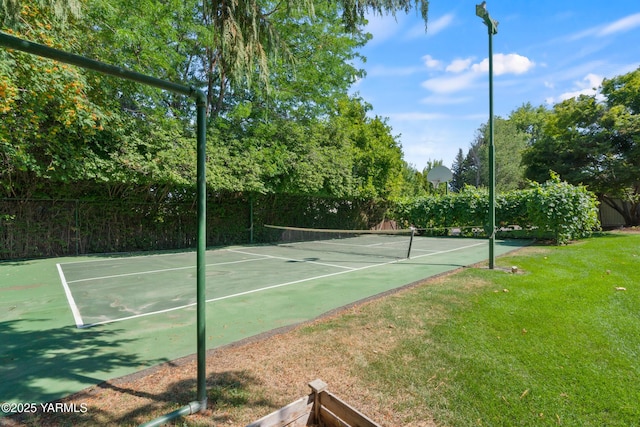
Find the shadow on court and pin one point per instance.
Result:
(32, 359)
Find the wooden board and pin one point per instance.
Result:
(295, 414)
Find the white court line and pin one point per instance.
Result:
(72, 303)
(161, 271)
(292, 259)
(447, 251)
(266, 288)
(121, 256)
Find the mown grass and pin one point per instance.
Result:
(555, 344)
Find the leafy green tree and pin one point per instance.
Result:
(414, 182)
(276, 77)
(320, 73)
(10, 10)
(247, 37)
(377, 155)
(596, 144)
(509, 142)
(50, 128)
(621, 190)
(279, 156)
(529, 120)
(461, 169)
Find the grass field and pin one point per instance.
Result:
(556, 343)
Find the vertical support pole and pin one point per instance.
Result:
(77, 220)
(251, 218)
(201, 317)
(492, 161)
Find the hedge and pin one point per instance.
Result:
(553, 210)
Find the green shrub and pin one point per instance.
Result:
(567, 211)
(552, 210)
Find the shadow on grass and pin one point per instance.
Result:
(37, 362)
(225, 391)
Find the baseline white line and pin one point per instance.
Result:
(123, 257)
(449, 250)
(293, 259)
(135, 316)
(266, 288)
(72, 303)
(115, 276)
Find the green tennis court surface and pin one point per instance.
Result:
(66, 324)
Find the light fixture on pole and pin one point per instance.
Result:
(492, 26)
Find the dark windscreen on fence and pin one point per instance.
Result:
(31, 228)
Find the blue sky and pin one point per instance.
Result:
(434, 89)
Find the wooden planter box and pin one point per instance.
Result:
(321, 408)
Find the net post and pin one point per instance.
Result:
(413, 232)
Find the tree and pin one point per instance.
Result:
(10, 10)
(50, 128)
(509, 142)
(595, 143)
(243, 38)
(414, 182)
(377, 155)
(529, 120)
(275, 73)
(463, 170)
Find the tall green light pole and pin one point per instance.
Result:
(492, 25)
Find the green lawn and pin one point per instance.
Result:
(555, 344)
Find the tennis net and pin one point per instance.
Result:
(389, 244)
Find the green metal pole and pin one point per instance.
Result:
(251, 218)
(492, 26)
(492, 162)
(80, 61)
(201, 256)
(77, 220)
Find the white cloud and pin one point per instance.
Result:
(462, 73)
(449, 84)
(382, 70)
(587, 86)
(624, 24)
(458, 65)
(430, 62)
(382, 27)
(415, 32)
(434, 27)
(511, 63)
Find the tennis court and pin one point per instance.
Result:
(116, 289)
(70, 323)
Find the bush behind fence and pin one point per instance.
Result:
(44, 228)
(553, 210)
